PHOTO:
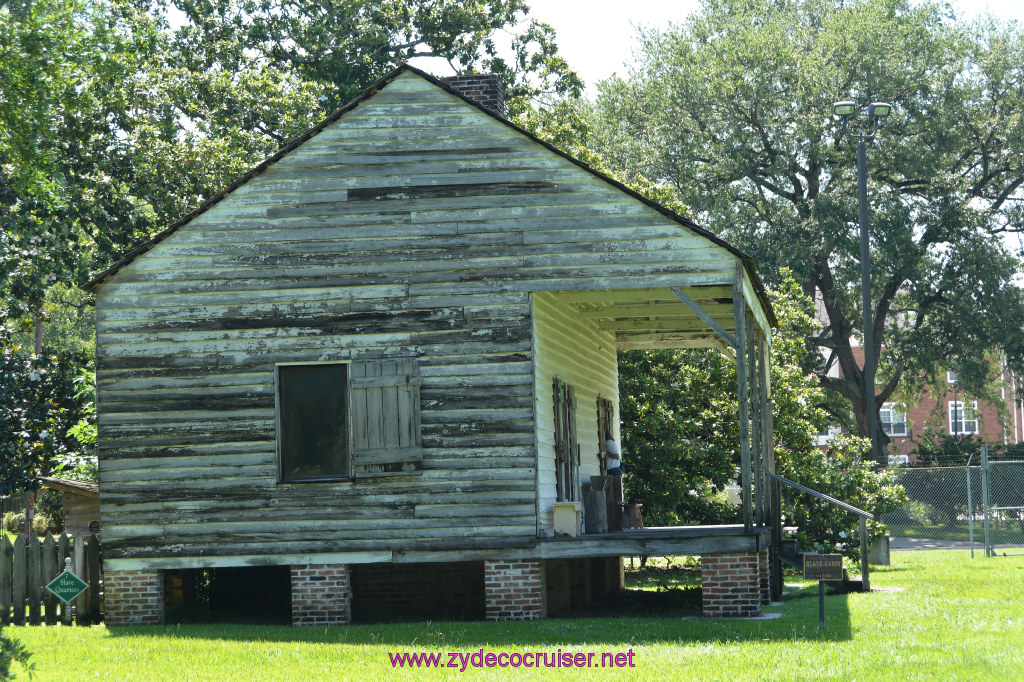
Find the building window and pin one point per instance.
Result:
(827, 433)
(894, 422)
(344, 421)
(567, 451)
(960, 423)
(950, 377)
(313, 417)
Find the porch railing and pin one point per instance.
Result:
(864, 516)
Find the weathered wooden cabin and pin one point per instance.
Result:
(393, 344)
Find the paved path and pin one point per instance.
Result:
(929, 543)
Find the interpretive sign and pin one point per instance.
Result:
(823, 567)
(67, 585)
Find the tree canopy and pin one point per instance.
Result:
(732, 111)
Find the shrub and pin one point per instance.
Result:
(913, 513)
(50, 503)
(40, 524)
(14, 522)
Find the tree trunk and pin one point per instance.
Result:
(39, 335)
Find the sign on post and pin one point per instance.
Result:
(67, 585)
(823, 567)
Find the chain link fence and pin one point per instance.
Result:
(976, 507)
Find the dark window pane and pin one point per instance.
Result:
(314, 432)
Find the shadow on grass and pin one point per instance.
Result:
(798, 621)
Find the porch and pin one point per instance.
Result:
(659, 541)
(727, 311)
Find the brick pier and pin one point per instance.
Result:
(133, 597)
(321, 595)
(734, 585)
(514, 590)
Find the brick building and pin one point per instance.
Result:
(947, 410)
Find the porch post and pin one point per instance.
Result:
(756, 451)
(740, 320)
(772, 489)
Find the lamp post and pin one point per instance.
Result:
(876, 111)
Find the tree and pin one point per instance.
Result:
(38, 407)
(346, 45)
(680, 432)
(104, 137)
(732, 111)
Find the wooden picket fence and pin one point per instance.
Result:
(26, 566)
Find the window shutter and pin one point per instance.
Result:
(385, 414)
(566, 448)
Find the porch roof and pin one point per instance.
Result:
(677, 317)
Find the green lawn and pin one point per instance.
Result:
(959, 619)
(1004, 533)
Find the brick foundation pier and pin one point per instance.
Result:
(133, 597)
(514, 590)
(734, 585)
(321, 595)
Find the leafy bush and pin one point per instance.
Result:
(50, 504)
(14, 522)
(41, 524)
(913, 513)
(680, 433)
(38, 405)
(843, 472)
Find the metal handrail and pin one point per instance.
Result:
(864, 516)
(823, 496)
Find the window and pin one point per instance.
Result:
(827, 433)
(950, 377)
(567, 451)
(313, 414)
(343, 421)
(960, 423)
(894, 422)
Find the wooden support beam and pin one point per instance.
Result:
(757, 454)
(630, 341)
(656, 310)
(740, 318)
(691, 324)
(708, 320)
(772, 489)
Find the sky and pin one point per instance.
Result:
(597, 37)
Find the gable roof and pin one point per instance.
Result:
(683, 221)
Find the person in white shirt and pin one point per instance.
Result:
(614, 455)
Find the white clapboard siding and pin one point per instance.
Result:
(414, 238)
(574, 350)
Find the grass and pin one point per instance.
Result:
(958, 619)
(1004, 533)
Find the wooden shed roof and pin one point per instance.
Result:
(683, 221)
(64, 485)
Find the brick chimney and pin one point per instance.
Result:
(485, 89)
